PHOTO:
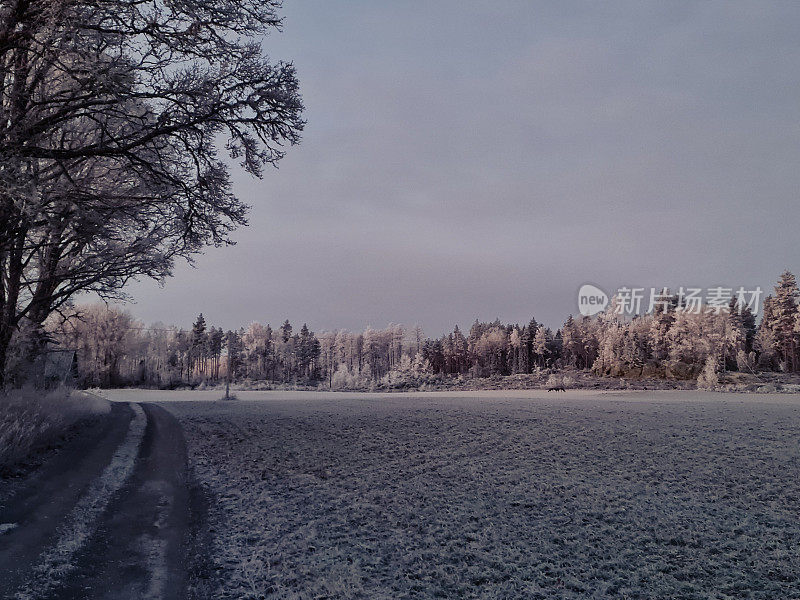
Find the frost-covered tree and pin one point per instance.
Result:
(572, 343)
(696, 337)
(515, 349)
(540, 346)
(199, 347)
(256, 350)
(327, 344)
(233, 347)
(663, 318)
(783, 318)
(216, 339)
(286, 331)
(579, 343)
(708, 378)
(609, 348)
(735, 333)
(460, 352)
(308, 352)
(112, 115)
(104, 339)
(765, 342)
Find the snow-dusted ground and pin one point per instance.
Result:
(646, 495)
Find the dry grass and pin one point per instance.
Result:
(31, 421)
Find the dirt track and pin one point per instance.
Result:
(63, 541)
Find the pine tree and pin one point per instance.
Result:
(269, 353)
(663, 319)
(460, 350)
(233, 344)
(448, 352)
(590, 342)
(216, 338)
(305, 351)
(748, 320)
(554, 345)
(784, 312)
(199, 344)
(286, 331)
(533, 327)
(572, 344)
(739, 334)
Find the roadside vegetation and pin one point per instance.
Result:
(33, 421)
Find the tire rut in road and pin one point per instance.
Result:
(42, 505)
(139, 548)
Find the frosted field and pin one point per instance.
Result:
(667, 495)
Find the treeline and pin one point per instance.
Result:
(114, 349)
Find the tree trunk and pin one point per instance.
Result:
(5, 340)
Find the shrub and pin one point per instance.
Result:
(555, 380)
(708, 378)
(32, 420)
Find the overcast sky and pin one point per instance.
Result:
(471, 160)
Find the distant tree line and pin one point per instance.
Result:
(113, 348)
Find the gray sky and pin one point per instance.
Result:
(471, 160)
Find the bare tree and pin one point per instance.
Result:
(112, 115)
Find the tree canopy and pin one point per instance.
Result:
(113, 116)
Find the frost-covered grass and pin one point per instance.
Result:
(669, 495)
(32, 420)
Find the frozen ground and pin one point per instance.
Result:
(666, 495)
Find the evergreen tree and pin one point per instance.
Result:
(286, 331)
(663, 318)
(533, 328)
(216, 339)
(305, 350)
(784, 317)
(199, 344)
(748, 321)
(572, 344)
(269, 353)
(233, 345)
(460, 351)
